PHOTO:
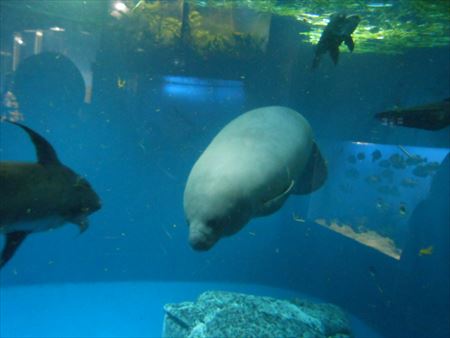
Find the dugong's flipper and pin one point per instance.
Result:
(314, 175)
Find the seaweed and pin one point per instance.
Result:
(207, 28)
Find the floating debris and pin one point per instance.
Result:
(381, 205)
(402, 209)
(376, 155)
(426, 251)
(121, 83)
(297, 218)
(373, 274)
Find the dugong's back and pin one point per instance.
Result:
(255, 146)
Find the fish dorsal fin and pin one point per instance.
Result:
(12, 243)
(314, 175)
(44, 151)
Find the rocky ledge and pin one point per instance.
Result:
(228, 314)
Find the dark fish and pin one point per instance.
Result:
(41, 196)
(424, 170)
(360, 156)
(398, 161)
(376, 155)
(388, 174)
(421, 171)
(433, 116)
(338, 30)
(415, 160)
(409, 182)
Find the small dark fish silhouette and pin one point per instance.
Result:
(40, 196)
(433, 116)
(338, 30)
(376, 155)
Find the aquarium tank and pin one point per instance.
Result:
(225, 168)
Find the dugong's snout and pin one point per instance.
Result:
(201, 238)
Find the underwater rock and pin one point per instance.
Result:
(229, 314)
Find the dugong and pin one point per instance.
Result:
(248, 170)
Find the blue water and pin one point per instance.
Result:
(135, 138)
(113, 309)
